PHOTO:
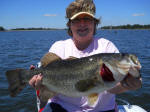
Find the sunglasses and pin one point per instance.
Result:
(78, 20)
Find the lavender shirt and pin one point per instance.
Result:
(66, 48)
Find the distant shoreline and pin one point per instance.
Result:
(128, 26)
(35, 30)
(29, 30)
(65, 29)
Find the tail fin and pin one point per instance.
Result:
(15, 81)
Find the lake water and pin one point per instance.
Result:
(20, 49)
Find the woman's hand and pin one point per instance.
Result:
(131, 83)
(36, 80)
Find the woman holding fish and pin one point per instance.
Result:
(82, 28)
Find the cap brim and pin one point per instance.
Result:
(80, 13)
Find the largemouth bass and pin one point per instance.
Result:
(76, 77)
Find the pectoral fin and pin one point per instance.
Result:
(85, 85)
(92, 99)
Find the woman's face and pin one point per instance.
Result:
(82, 28)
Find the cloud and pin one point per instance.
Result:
(138, 14)
(50, 15)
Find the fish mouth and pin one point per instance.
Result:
(106, 74)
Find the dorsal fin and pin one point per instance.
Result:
(85, 85)
(49, 58)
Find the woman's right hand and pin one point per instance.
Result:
(36, 80)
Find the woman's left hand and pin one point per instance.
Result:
(131, 83)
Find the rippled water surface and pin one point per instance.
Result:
(23, 48)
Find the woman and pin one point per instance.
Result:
(82, 27)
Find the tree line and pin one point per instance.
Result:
(16, 29)
(2, 29)
(35, 29)
(128, 26)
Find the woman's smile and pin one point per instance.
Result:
(83, 31)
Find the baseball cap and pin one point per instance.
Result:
(80, 7)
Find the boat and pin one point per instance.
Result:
(127, 107)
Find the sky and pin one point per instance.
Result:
(51, 13)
